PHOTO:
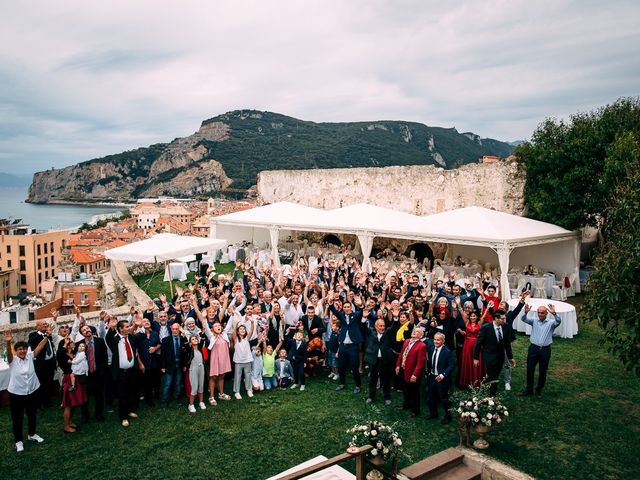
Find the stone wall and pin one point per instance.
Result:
(420, 190)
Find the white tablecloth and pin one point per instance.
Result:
(176, 271)
(4, 375)
(549, 282)
(232, 251)
(567, 313)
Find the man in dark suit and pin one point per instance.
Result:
(440, 366)
(349, 338)
(171, 362)
(313, 324)
(494, 340)
(410, 365)
(96, 352)
(44, 363)
(379, 356)
(124, 363)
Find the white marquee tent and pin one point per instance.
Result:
(466, 230)
(163, 248)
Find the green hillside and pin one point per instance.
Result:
(269, 141)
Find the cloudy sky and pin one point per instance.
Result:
(80, 80)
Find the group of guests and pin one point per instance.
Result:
(268, 327)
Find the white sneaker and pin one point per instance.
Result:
(238, 396)
(125, 423)
(295, 385)
(19, 447)
(202, 406)
(133, 415)
(192, 408)
(507, 386)
(35, 438)
(249, 393)
(301, 388)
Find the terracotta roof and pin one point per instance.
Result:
(82, 256)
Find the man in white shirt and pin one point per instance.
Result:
(293, 311)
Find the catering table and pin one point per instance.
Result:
(176, 271)
(4, 383)
(567, 313)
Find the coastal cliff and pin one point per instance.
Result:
(183, 167)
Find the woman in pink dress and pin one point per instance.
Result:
(469, 374)
(219, 359)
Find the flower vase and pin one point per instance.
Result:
(375, 474)
(481, 430)
(464, 432)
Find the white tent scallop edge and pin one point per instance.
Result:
(475, 226)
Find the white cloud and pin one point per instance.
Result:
(81, 79)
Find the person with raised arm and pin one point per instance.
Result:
(23, 385)
(219, 360)
(242, 358)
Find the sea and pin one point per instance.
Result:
(48, 217)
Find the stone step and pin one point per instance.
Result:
(433, 465)
(458, 472)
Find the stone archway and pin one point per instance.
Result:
(422, 250)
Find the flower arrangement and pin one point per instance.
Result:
(384, 439)
(477, 407)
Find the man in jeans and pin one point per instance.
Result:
(171, 355)
(540, 348)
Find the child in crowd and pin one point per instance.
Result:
(79, 367)
(332, 348)
(243, 359)
(269, 365)
(298, 357)
(283, 370)
(257, 369)
(196, 374)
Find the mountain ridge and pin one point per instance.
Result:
(229, 150)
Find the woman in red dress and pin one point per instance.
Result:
(70, 398)
(468, 373)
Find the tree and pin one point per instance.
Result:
(564, 162)
(587, 172)
(614, 299)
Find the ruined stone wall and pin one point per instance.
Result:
(421, 190)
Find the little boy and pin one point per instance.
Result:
(298, 357)
(79, 367)
(284, 372)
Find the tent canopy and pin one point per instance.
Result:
(471, 226)
(163, 247)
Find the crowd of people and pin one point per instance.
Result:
(262, 327)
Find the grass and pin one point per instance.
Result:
(154, 284)
(586, 426)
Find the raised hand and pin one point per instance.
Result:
(8, 336)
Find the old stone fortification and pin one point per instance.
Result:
(421, 190)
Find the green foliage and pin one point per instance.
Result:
(565, 162)
(614, 300)
(265, 140)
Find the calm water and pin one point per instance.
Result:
(45, 217)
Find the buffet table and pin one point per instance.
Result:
(567, 313)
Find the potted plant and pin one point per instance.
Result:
(384, 439)
(476, 408)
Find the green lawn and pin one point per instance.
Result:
(154, 283)
(586, 426)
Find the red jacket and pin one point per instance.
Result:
(416, 358)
